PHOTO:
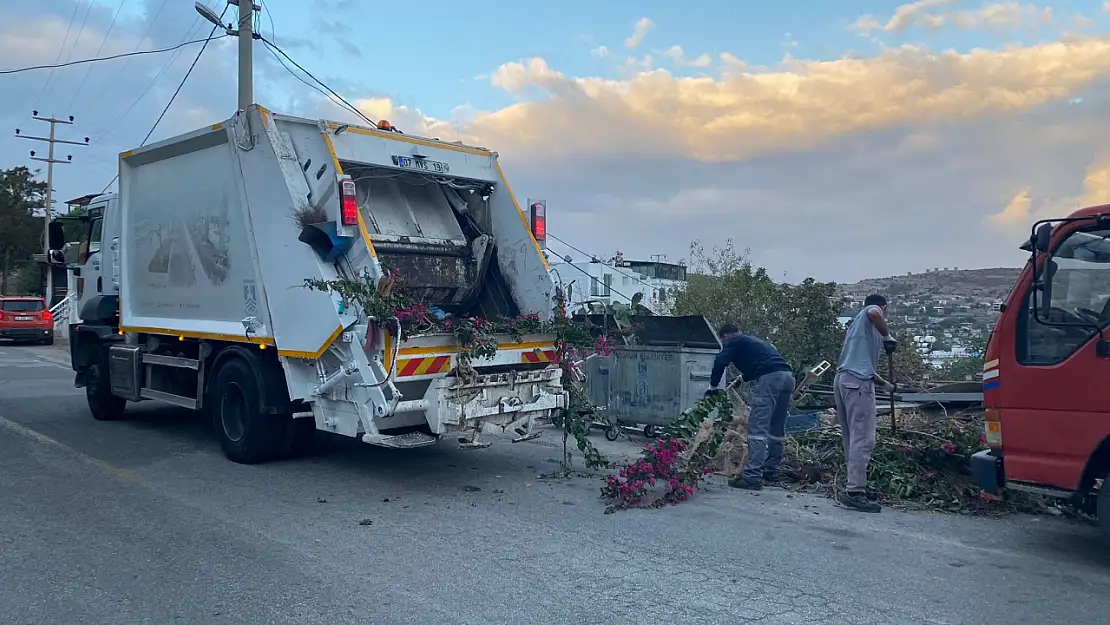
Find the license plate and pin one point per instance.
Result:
(24, 318)
(422, 164)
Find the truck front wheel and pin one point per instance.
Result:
(246, 435)
(103, 405)
(1102, 511)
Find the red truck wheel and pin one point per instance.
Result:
(1103, 510)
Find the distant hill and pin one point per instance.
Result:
(983, 285)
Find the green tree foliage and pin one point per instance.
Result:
(20, 230)
(800, 320)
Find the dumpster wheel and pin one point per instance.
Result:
(652, 431)
(612, 433)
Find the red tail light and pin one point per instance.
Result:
(349, 207)
(46, 316)
(539, 221)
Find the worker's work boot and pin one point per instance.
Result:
(745, 483)
(858, 501)
(772, 477)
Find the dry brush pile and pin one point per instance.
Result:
(924, 465)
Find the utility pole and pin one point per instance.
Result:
(246, 35)
(48, 209)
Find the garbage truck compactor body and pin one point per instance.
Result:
(197, 294)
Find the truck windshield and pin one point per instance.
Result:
(1078, 279)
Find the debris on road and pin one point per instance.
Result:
(924, 465)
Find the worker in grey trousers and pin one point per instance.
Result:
(854, 387)
(760, 362)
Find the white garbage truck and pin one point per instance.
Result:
(191, 284)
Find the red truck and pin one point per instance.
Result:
(1047, 414)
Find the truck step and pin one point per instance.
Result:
(401, 441)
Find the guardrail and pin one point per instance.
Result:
(65, 311)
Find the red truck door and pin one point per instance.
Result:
(1053, 385)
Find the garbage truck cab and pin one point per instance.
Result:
(197, 296)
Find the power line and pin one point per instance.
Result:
(629, 275)
(110, 83)
(157, 77)
(295, 74)
(318, 81)
(76, 40)
(88, 70)
(211, 36)
(61, 49)
(108, 58)
(305, 82)
(592, 277)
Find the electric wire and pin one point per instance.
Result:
(629, 275)
(72, 48)
(211, 36)
(306, 83)
(110, 83)
(592, 277)
(61, 50)
(32, 68)
(350, 106)
(88, 70)
(157, 77)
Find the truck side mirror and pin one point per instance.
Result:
(1043, 237)
(56, 237)
(56, 257)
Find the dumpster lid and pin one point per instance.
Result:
(659, 331)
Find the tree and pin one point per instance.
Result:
(800, 320)
(20, 230)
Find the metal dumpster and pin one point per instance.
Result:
(652, 382)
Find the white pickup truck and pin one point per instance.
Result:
(195, 295)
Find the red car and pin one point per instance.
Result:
(26, 319)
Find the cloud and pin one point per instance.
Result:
(1022, 211)
(676, 54)
(743, 112)
(1106, 6)
(937, 14)
(600, 52)
(841, 167)
(640, 30)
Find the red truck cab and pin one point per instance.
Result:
(26, 319)
(1047, 412)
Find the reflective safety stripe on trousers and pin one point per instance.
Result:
(428, 365)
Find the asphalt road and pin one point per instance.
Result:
(144, 521)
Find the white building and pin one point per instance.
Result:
(619, 280)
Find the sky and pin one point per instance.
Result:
(834, 140)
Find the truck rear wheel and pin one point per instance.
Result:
(103, 405)
(246, 435)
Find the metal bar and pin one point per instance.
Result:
(171, 361)
(169, 398)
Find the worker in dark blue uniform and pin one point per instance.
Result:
(759, 362)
